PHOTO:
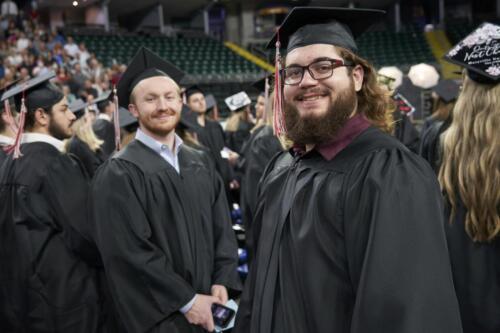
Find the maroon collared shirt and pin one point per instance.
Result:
(353, 127)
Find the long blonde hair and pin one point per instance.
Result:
(234, 120)
(471, 159)
(83, 131)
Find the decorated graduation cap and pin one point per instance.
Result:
(447, 90)
(29, 96)
(78, 107)
(305, 26)
(144, 65)
(479, 53)
(402, 104)
(238, 101)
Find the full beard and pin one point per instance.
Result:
(58, 132)
(320, 129)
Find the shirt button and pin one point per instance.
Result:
(163, 147)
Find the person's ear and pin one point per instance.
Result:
(42, 118)
(358, 74)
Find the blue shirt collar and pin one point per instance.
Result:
(156, 145)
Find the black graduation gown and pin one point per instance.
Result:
(91, 160)
(163, 236)
(48, 279)
(476, 273)
(236, 139)
(105, 131)
(405, 132)
(346, 246)
(430, 144)
(259, 150)
(212, 137)
(3, 155)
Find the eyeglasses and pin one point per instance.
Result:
(319, 70)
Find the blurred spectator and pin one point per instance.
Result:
(71, 48)
(9, 8)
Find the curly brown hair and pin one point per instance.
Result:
(374, 102)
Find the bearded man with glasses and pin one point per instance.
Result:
(348, 228)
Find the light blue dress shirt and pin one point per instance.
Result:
(173, 159)
(162, 149)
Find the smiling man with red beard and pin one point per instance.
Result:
(162, 221)
(348, 227)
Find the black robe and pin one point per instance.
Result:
(236, 139)
(91, 160)
(346, 246)
(430, 144)
(105, 130)
(259, 150)
(405, 132)
(476, 274)
(212, 137)
(3, 155)
(163, 236)
(48, 279)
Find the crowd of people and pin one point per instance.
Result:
(117, 184)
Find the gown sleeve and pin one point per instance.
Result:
(396, 247)
(145, 287)
(66, 188)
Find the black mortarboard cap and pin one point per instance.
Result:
(126, 118)
(145, 64)
(447, 90)
(78, 107)
(6, 88)
(260, 85)
(194, 89)
(38, 92)
(210, 101)
(188, 118)
(102, 100)
(324, 25)
(478, 53)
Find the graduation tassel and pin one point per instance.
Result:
(116, 120)
(16, 146)
(279, 120)
(266, 98)
(10, 118)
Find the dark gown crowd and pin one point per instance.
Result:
(322, 206)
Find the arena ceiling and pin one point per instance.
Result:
(185, 8)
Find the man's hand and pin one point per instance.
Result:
(201, 312)
(220, 292)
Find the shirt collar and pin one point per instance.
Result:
(104, 116)
(39, 137)
(352, 128)
(5, 140)
(156, 145)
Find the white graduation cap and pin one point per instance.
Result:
(238, 101)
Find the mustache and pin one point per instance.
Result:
(312, 91)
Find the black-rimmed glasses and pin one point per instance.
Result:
(319, 70)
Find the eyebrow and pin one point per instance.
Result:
(313, 61)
